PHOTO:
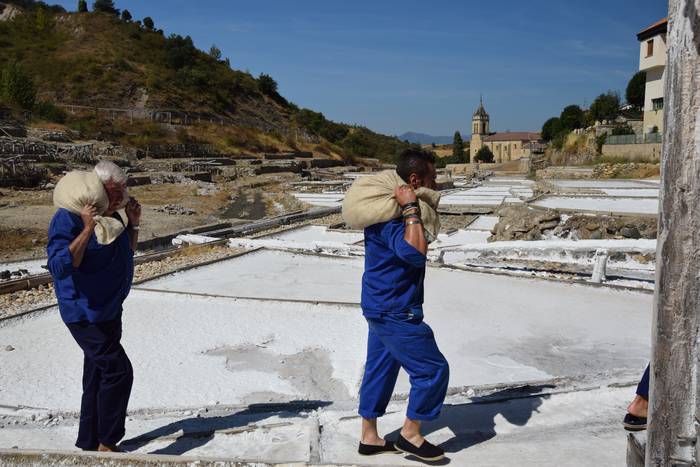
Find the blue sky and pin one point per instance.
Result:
(397, 66)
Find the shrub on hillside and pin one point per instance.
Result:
(180, 52)
(148, 23)
(82, 6)
(268, 85)
(317, 123)
(48, 111)
(600, 141)
(105, 6)
(16, 87)
(215, 52)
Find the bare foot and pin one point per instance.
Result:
(415, 439)
(639, 407)
(373, 441)
(105, 448)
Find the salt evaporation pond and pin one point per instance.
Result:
(601, 204)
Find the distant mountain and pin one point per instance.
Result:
(422, 138)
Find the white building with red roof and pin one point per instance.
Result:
(652, 60)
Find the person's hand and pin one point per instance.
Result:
(87, 214)
(133, 212)
(404, 194)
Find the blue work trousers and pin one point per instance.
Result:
(403, 340)
(643, 387)
(107, 379)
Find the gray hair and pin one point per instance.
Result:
(108, 170)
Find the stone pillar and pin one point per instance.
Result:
(674, 395)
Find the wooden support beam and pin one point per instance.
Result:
(674, 386)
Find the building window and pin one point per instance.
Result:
(657, 104)
(650, 48)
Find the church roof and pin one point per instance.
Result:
(513, 136)
(481, 112)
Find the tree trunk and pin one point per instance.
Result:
(674, 397)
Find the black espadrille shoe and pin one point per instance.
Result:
(371, 450)
(634, 423)
(426, 451)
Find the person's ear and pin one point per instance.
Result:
(414, 181)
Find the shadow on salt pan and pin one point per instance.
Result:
(309, 371)
(194, 432)
(475, 422)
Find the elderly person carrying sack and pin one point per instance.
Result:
(90, 256)
(398, 211)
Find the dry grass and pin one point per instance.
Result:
(166, 193)
(21, 239)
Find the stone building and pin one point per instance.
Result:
(652, 60)
(505, 146)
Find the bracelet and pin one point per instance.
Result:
(408, 212)
(413, 222)
(135, 227)
(409, 216)
(412, 204)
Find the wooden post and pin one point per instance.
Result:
(674, 396)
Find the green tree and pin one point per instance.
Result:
(42, 20)
(215, 52)
(148, 23)
(605, 107)
(180, 52)
(268, 85)
(16, 87)
(571, 117)
(458, 148)
(635, 90)
(105, 6)
(126, 16)
(551, 128)
(82, 6)
(484, 155)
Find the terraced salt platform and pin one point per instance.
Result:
(189, 327)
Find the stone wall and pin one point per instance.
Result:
(648, 152)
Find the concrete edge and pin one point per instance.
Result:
(10, 457)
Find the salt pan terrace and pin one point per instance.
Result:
(493, 193)
(604, 196)
(283, 327)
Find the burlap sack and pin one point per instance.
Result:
(370, 200)
(77, 189)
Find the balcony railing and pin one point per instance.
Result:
(634, 139)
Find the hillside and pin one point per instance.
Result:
(99, 60)
(422, 138)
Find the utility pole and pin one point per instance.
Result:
(673, 405)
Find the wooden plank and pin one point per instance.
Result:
(674, 386)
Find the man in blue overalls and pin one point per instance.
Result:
(392, 299)
(91, 282)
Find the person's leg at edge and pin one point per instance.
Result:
(87, 427)
(412, 343)
(108, 377)
(115, 387)
(381, 371)
(640, 405)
